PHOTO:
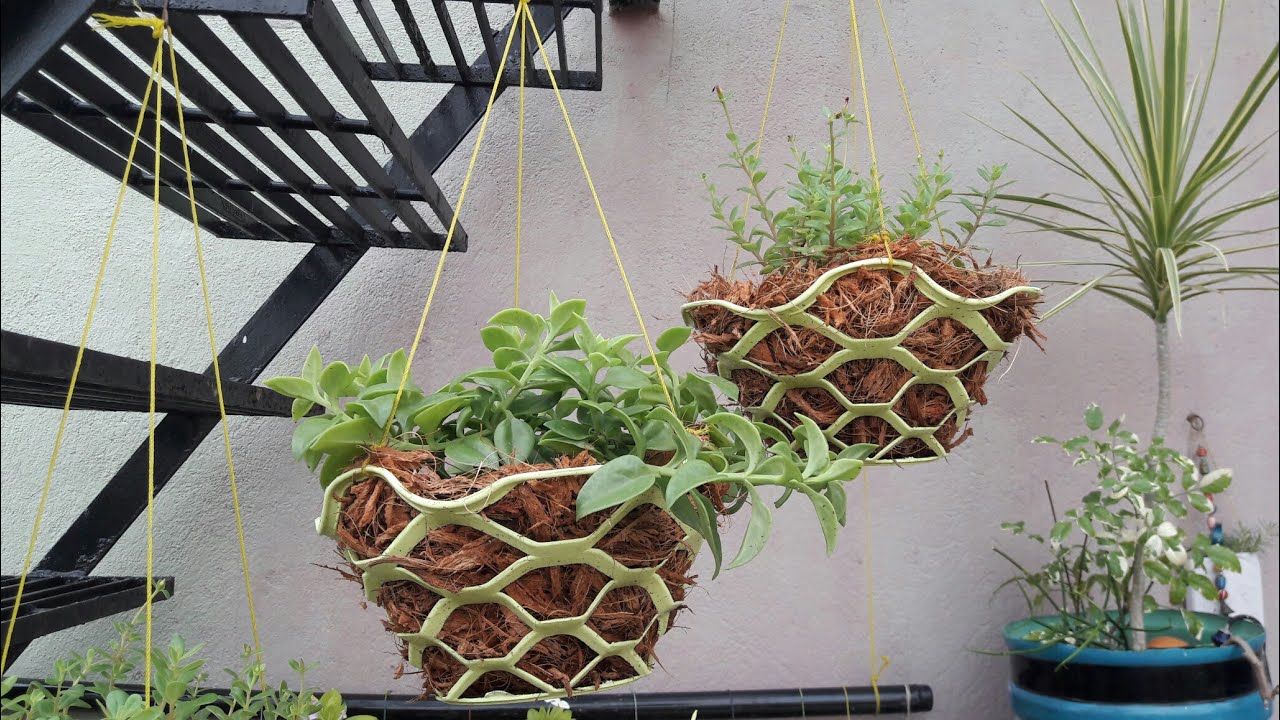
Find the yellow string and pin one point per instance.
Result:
(520, 157)
(866, 110)
(617, 257)
(453, 225)
(115, 22)
(906, 104)
(764, 116)
(871, 596)
(75, 375)
(213, 349)
(151, 390)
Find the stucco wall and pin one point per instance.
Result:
(793, 617)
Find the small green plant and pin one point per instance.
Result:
(1108, 554)
(557, 388)
(1254, 539)
(92, 681)
(832, 207)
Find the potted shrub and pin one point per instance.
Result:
(855, 318)
(529, 528)
(1106, 649)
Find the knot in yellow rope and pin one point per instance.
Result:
(112, 22)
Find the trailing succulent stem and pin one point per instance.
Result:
(832, 207)
(1121, 542)
(556, 389)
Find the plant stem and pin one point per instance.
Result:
(1163, 380)
(831, 171)
(1137, 591)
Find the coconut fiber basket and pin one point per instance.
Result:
(845, 356)
(473, 666)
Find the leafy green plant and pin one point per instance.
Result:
(1159, 221)
(831, 207)
(92, 681)
(1255, 539)
(557, 388)
(1122, 541)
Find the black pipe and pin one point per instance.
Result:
(711, 705)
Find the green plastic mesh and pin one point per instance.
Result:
(945, 304)
(465, 511)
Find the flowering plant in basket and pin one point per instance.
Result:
(856, 320)
(529, 527)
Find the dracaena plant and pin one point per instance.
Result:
(1160, 219)
(1121, 542)
(558, 388)
(829, 206)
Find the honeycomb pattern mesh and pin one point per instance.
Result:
(465, 511)
(945, 304)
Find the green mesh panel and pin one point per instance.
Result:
(465, 511)
(946, 304)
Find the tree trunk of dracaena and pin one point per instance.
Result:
(1163, 379)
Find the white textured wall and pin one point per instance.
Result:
(793, 617)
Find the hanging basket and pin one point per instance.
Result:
(491, 614)
(900, 371)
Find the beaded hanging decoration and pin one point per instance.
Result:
(1216, 531)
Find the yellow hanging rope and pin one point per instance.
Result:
(871, 597)
(906, 104)
(75, 372)
(213, 349)
(448, 238)
(871, 140)
(520, 157)
(622, 272)
(151, 391)
(764, 117)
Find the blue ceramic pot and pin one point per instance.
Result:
(1202, 683)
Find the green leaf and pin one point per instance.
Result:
(300, 408)
(745, 431)
(515, 317)
(1216, 481)
(470, 452)
(1093, 417)
(377, 408)
(397, 366)
(346, 434)
(575, 370)
(295, 387)
(495, 338)
(567, 315)
(313, 365)
(514, 438)
(815, 446)
(616, 482)
(429, 420)
(860, 451)
(334, 379)
(1223, 557)
(839, 500)
(687, 478)
(758, 529)
(827, 519)
(671, 339)
(626, 378)
(306, 432)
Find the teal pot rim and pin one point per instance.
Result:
(1159, 622)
